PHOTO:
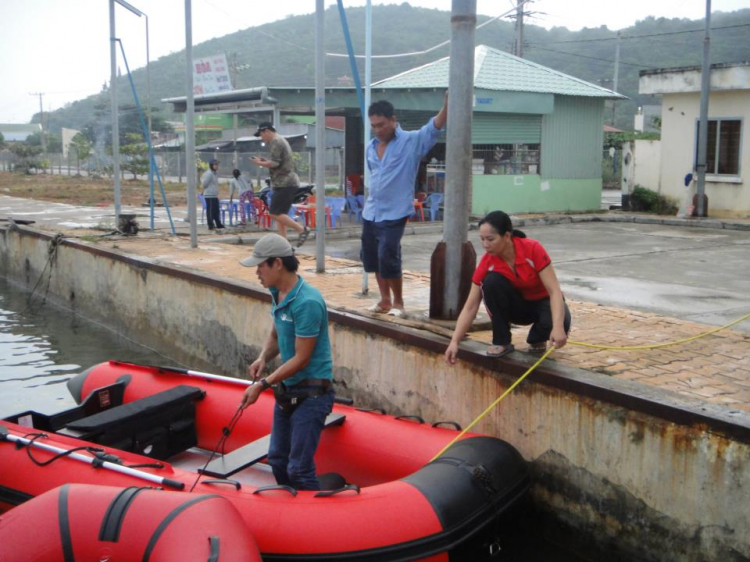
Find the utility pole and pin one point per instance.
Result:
(190, 170)
(617, 71)
(703, 126)
(41, 120)
(320, 138)
(519, 28)
(454, 258)
(115, 116)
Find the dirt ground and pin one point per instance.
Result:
(84, 190)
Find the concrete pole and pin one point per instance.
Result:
(368, 100)
(703, 127)
(616, 75)
(519, 28)
(190, 170)
(459, 149)
(148, 114)
(320, 138)
(115, 116)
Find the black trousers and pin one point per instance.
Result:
(506, 305)
(213, 215)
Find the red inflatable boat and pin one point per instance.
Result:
(390, 500)
(87, 522)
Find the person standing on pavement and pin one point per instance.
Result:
(517, 282)
(244, 193)
(303, 382)
(393, 158)
(210, 183)
(284, 182)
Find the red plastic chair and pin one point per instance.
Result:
(263, 217)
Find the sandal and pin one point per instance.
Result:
(500, 350)
(303, 237)
(376, 308)
(397, 312)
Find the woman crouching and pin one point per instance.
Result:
(518, 285)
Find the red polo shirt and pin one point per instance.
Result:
(531, 258)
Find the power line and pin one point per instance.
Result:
(593, 58)
(640, 36)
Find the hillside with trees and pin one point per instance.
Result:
(282, 54)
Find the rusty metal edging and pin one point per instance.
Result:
(571, 380)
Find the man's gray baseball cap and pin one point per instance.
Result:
(270, 246)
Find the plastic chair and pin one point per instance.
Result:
(234, 209)
(433, 204)
(354, 208)
(418, 210)
(203, 202)
(336, 206)
(261, 212)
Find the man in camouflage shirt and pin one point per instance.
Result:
(284, 181)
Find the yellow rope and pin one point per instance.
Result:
(582, 344)
(495, 403)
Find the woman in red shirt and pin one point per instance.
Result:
(518, 285)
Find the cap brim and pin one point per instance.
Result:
(252, 261)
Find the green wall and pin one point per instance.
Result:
(531, 194)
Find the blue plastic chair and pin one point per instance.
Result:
(336, 205)
(203, 202)
(354, 208)
(233, 208)
(432, 204)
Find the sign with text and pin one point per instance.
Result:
(211, 75)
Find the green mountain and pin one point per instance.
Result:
(282, 54)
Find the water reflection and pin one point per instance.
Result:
(42, 346)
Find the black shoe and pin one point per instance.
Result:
(211, 227)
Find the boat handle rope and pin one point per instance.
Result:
(581, 344)
(225, 433)
(345, 488)
(96, 461)
(283, 487)
(408, 417)
(235, 483)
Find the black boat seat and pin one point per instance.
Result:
(138, 409)
(158, 426)
(252, 453)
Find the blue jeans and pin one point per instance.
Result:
(294, 440)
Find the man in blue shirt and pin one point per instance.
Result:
(303, 382)
(393, 158)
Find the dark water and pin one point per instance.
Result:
(42, 346)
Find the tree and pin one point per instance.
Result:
(27, 155)
(81, 146)
(2, 141)
(54, 142)
(136, 155)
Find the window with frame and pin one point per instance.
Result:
(723, 149)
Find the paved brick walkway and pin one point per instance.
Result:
(715, 369)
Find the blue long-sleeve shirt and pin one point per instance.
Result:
(391, 193)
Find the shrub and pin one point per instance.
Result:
(646, 200)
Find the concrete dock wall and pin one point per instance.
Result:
(635, 473)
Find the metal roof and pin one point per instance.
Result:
(497, 70)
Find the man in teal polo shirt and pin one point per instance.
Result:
(303, 382)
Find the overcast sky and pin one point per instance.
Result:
(61, 47)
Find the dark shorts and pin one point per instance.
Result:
(281, 200)
(381, 247)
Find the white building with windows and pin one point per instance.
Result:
(728, 170)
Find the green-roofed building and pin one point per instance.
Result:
(536, 133)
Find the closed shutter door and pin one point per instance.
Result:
(506, 128)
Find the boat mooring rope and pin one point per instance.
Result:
(225, 433)
(582, 344)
